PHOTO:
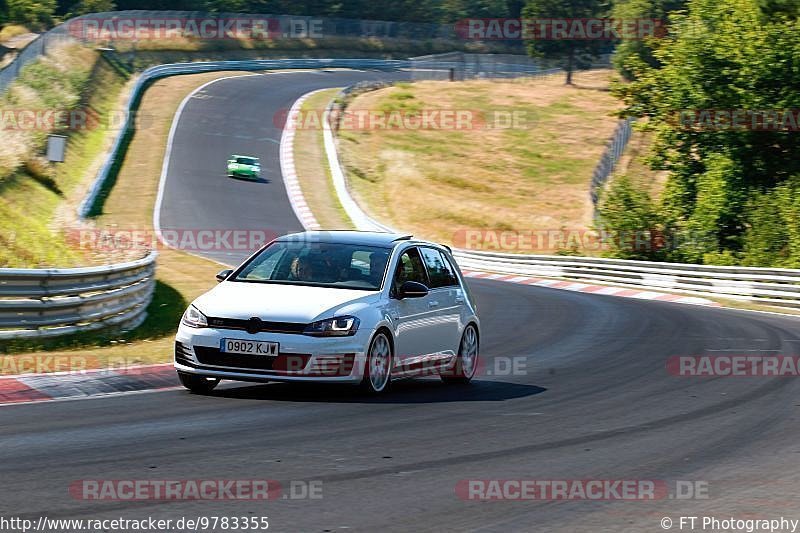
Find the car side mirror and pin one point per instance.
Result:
(222, 275)
(412, 289)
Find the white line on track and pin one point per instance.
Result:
(92, 397)
(170, 138)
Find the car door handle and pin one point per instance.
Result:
(433, 304)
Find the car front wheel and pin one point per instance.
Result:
(467, 360)
(198, 384)
(378, 370)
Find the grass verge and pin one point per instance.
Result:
(312, 168)
(37, 197)
(633, 164)
(181, 277)
(532, 174)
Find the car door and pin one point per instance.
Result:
(413, 318)
(446, 299)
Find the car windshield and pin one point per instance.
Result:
(246, 161)
(345, 266)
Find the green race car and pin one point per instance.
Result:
(244, 166)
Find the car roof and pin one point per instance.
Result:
(247, 156)
(366, 238)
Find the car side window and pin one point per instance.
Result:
(409, 268)
(440, 271)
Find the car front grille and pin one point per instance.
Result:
(288, 362)
(264, 326)
(183, 353)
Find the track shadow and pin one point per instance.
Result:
(408, 391)
(249, 180)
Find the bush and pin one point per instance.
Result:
(772, 237)
(630, 220)
(37, 14)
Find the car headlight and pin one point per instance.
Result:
(343, 326)
(194, 318)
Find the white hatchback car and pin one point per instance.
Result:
(337, 307)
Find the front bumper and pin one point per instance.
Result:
(244, 173)
(300, 358)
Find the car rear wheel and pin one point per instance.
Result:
(198, 384)
(378, 370)
(467, 360)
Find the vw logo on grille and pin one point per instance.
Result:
(253, 325)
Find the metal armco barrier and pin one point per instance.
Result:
(39, 303)
(458, 66)
(78, 29)
(51, 302)
(172, 69)
(770, 286)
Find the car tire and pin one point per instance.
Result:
(467, 361)
(378, 367)
(198, 384)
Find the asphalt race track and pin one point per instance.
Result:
(591, 397)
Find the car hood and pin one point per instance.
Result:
(280, 303)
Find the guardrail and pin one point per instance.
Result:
(616, 145)
(172, 69)
(460, 66)
(84, 29)
(33, 51)
(51, 302)
(39, 303)
(770, 286)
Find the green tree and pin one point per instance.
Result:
(93, 6)
(630, 219)
(772, 237)
(631, 54)
(454, 10)
(34, 13)
(719, 56)
(571, 54)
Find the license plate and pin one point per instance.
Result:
(242, 346)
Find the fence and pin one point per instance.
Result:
(459, 66)
(609, 158)
(776, 287)
(33, 51)
(161, 71)
(51, 302)
(39, 303)
(80, 29)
